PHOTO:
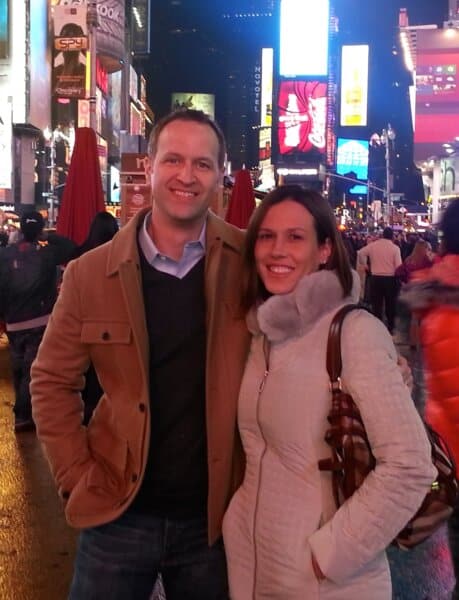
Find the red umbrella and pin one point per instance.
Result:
(83, 195)
(242, 202)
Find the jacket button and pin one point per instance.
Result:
(142, 407)
(105, 336)
(65, 495)
(134, 477)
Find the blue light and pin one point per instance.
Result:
(352, 155)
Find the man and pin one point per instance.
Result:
(384, 258)
(28, 291)
(156, 311)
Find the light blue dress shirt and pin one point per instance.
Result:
(192, 252)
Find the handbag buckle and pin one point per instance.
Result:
(336, 386)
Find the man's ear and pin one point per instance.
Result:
(148, 166)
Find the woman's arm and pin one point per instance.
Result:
(391, 494)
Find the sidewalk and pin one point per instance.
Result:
(36, 546)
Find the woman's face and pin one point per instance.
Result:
(287, 247)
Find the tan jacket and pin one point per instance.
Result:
(100, 317)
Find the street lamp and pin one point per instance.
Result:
(386, 139)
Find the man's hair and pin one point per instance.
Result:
(193, 116)
(31, 225)
(388, 233)
(450, 228)
(325, 228)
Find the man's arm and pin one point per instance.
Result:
(57, 378)
(63, 247)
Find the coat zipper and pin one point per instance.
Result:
(261, 387)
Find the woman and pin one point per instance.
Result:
(434, 296)
(420, 258)
(284, 538)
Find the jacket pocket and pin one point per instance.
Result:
(105, 332)
(110, 453)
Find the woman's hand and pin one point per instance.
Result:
(315, 567)
(406, 372)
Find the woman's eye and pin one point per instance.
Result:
(295, 236)
(265, 236)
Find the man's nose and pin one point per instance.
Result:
(186, 173)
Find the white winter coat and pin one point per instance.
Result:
(284, 509)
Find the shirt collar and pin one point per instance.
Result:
(149, 248)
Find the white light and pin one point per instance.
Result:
(304, 37)
(283, 171)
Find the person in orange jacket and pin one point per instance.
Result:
(434, 296)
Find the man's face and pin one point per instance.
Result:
(184, 173)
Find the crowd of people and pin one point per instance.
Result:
(197, 460)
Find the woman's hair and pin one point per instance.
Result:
(450, 228)
(102, 229)
(325, 228)
(419, 253)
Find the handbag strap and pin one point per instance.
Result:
(334, 361)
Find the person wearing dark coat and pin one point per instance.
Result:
(102, 229)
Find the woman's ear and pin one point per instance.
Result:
(325, 251)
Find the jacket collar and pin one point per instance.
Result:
(123, 247)
(285, 316)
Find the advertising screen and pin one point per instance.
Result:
(437, 92)
(267, 73)
(204, 102)
(40, 70)
(70, 46)
(6, 136)
(354, 86)
(304, 29)
(302, 110)
(4, 42)
(352, 155)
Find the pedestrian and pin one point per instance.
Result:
(156, 311)
(102, 229)
(283, 535)
(28, 290)
(433, 294)
(384, 257)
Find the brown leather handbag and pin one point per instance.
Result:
(352, 458)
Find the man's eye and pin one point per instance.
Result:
(295, 236)
(204, 166)
(171, 160)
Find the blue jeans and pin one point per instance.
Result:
(121, 560)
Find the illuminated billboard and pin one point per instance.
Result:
(267, 73)
(352, 155)
(437, 92)
(304, 29)
(70, 46)
(204, 102)
(302, 116)
(354, 86)
(4, 38)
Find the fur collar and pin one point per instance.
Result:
(436, 286)
(291, 315)
(428, 294)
